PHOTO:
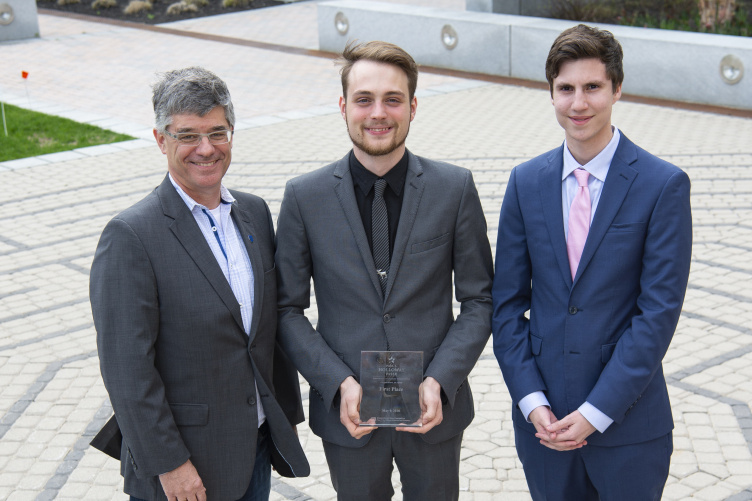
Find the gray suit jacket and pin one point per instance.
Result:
(441, 231)
(178, 367)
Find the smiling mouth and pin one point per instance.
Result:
(580, 120)
(204, 165)
(378, 130)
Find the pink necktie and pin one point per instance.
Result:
(579, 220)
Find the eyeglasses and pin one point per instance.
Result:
(216, 137)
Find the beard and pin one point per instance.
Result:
(377, 150)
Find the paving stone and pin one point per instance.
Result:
(34, 483)
(736, 467)
(706, 458)
(741, 481)
(705, 446)
(8, 479)
(682, 443)
(485, 485)
(107, 477)
(696, 418)
(699, 480)
(738, 452)
(683, 470)
(73, 490)
(46, 468)
(321, 491)
(515, 485)
(289, 124)
(718, 470)
(714, 492)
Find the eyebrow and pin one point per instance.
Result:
(370, 93)
(592, 82)
(213, 129)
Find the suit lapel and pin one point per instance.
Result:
(549, 183)
(414, 186)
(185, 229)
(346, 195)
(244, 222)
(618, 181)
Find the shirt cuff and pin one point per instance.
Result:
(531, 401)
(595, 417)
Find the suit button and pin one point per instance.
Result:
(252, 401)
(572, 310)
(387, 318)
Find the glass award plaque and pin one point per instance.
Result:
(390, 381)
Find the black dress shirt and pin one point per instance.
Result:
(363, 181)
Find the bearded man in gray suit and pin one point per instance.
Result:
(183, 293)
(436, 229)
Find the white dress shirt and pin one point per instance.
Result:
(598, 169)
(236, 265)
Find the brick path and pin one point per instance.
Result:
(53, 209)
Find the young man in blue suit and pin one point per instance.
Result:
(594, 241)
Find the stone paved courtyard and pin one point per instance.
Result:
(53, 208)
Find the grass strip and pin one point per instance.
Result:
(31, 133)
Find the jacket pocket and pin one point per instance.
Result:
(535, 344)
(190, 414)
(627, 227)
(606, 351)
(430, 244)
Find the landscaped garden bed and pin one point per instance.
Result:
(154, 11)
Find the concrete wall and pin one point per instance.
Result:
(665, 64)
(516, 7)
(18, 20)
(483, 42)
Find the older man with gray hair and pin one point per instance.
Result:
(183, 293)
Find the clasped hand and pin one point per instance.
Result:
(566, 434)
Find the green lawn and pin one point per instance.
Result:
(31, 134)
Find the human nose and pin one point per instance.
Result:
(580, 100)
(378, 110)
(204, 146)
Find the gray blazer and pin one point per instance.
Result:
(441, 231)
(175, 359)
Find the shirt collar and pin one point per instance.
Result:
(224, 195)
(598, 166)
(364, 178)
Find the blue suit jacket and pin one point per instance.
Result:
(602, 336)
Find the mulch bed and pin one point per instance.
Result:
(157, 14)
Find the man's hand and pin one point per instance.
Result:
(183, 483)
(551, 432)
(431, 414)
(573, 428)
(541, 417)
(350, 394)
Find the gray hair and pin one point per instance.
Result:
(189, 91)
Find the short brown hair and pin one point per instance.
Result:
(380, 52)
(585, 42)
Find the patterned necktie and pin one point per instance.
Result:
(579, 220)
(380, 232)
